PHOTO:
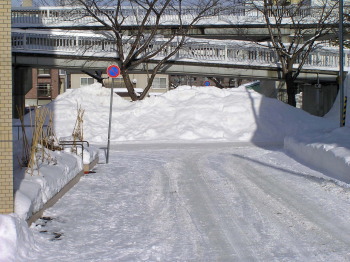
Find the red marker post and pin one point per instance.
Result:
(113, 71)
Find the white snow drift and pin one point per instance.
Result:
(186, 114)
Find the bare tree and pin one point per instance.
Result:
(307, 25)
(137, 26)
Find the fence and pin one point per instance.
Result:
(50, 16)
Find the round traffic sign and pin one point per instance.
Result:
(113, 71)
(207, 83)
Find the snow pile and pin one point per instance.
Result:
(329, 151)
(15, 238)
(184, 114)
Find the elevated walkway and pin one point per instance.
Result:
(236, 22)
(90, 50)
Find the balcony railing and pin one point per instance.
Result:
(70, 16)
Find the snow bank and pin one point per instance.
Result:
(328, 151)
(184, 114)
(33, 191)
(15, 239)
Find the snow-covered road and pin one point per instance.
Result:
(198, 202)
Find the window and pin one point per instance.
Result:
(43, 72)
(44, 90)
(84, 81)
(159, 83)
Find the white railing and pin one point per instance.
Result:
(60, 16)
(220, 52)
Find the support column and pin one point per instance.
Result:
(22, 83)
(268, 88)
(319, 100)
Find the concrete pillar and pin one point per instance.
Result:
(269, 88)
(22, 83)
(318, 101)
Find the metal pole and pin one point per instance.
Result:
(341, 62)
(110, 121)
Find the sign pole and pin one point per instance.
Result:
(113, 71)
(341, 62)
(110, 121)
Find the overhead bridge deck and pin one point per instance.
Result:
(236, 22)
(77, 50)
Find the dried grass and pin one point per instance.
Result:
(78, 132)
(44, 140)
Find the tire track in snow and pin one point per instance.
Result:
(309, 228)
(210, 210)
(187, 226)
(259, 215)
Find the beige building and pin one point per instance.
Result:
(6, 160)
(160, 83)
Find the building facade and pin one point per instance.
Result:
(6, 159)
(160, 84)
(47, 84)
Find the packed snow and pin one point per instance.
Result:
(188, 123)
(197, 202)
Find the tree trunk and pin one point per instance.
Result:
(129, 85)
(145, 91)
(290, 88)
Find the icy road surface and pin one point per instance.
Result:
(201, 202)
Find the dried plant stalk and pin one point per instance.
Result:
(38, 139)
(50, 138)
(78, 132)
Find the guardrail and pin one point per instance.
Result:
(233, 53)
(60, 16)
(76, 143)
